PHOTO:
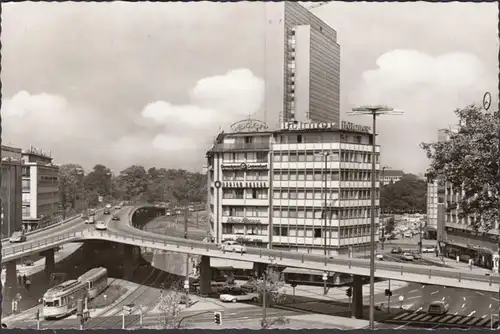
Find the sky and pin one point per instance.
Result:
(153, 83)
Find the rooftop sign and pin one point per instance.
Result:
(308, 126)
(355, 127)
(249, 125)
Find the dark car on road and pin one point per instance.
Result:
(107, 212)
(396, 250)
(115, 218)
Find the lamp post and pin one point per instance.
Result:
(374, 111)
(381, 211)
(110, 191)
(325, 156)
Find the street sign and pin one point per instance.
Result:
(325, 277)
(100, 199)
(186, 284)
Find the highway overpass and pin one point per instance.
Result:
(122, 232)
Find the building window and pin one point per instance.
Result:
(317, 233)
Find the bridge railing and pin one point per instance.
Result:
(142, 238)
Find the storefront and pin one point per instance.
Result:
(482, 256)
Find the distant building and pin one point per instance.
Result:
(40, 187)
(11, 210)
(302, 71)
(391, 176)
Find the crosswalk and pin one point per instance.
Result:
(446, 319)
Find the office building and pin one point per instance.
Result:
(454, 232)
(302, 66)
(11, 209)
(391, 176)
(40, 187)
(267, 187)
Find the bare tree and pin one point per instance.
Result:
(271, 290)
(170, 307)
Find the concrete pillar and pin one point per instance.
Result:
(10, 279)
(50, 262)
(357, 296)
(205, 276)
(129, 261)
(259, 268)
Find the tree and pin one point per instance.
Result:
(134, 181)
(469, 161)
(98, 183)
(71, 185)
(169, 305)
(270, 288)
(389, 226)
(407, 195)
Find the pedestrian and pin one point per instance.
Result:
(401, 300)
(458, 259)
(19, 280)
(471, 263)
(24, 279)
(28, 284)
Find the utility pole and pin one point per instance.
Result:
(186, 282)
(325, 195)
(264, 297)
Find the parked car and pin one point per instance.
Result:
(249, 286)
(28, 263)
(407, 257)
(396, 250)
(416, 256)
(430, 249)
(234, 295)
(233, 246)
(18, 236)
(379, 256)
(168, 213)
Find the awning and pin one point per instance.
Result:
(471, 247)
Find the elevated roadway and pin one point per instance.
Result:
(122, 232)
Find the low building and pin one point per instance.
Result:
(391, 176)
(268, 187)
(11, 193)
(40, 187)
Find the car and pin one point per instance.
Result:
(92, 213)
(233, 246)
(438, 308)
(115, 218)
(396, 250)
(408, 235)
(28, 263)
(90, 220)
(430, 249)
(18, 236)
(235, 294)
(379, 256)
(178, 212)
(416, 256)
(168, 213)
(118, 207)
(250, 286)
(407, 257)
(107, 212)
(101, 226)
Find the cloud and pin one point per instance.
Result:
(216, 102)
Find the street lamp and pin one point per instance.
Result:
(381, 210)
(325, 156)
(374, 111)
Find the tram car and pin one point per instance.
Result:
(60, 300)
(96, 280)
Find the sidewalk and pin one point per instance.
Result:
(453, 264)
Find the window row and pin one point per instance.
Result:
(319, 232)
(233, 157)
(318, 175)
(317, 213)
(245, 193)
(243, 230)
(244, 211)
(325, 137)
(250, 176)
(318, 156)
(358, 194)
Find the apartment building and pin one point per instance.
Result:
(391, 176)
(11, 209)
(269, 187)
(458, 238)
(40, 188)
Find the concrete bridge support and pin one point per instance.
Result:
(205, 276)
(357, 296)
(50, 262)
(10, 287)
(259, 269)
(130, 260)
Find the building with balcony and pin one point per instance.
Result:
(302, 71)
(453, 231)
(269, 187)
(11, 209)
(40, 188)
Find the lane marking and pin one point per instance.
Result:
(473, 321)
(484, 316)
(412, 291)
(407, 307)
(445, 318)
(408, 317)
(470, 314)
(463, 305)
(420, 309)
(480, 293)
(435, 318)
(443, 298)
(465, 299)
(400, 316)
(483, 322)
(423, 286)
(416, 297)
(464, 320)
(427, 318)
(455, 313)
(402, 326)
(433, 293)
(489, 306)
(419, 316)
(455, 319)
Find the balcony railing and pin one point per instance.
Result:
(241, 147)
